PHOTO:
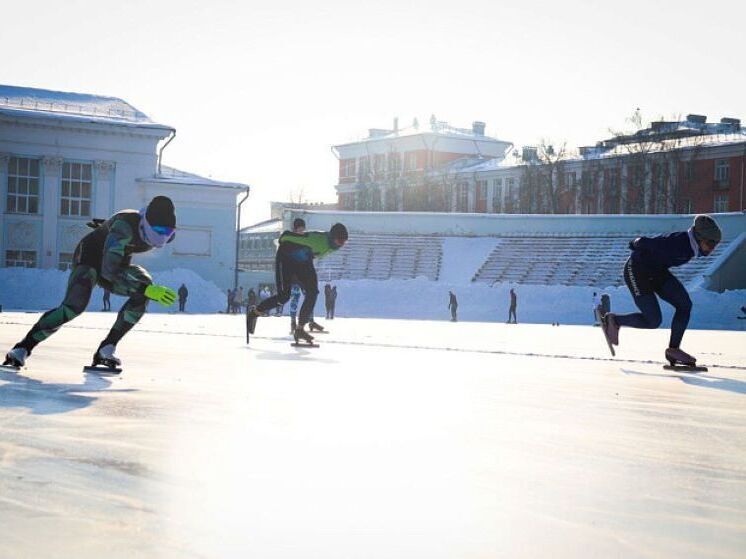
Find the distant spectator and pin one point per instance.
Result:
(107, 300)
(238, 300)
(453, 305)
(596, 309)
(334, 301)
(228, 307)
(328, 300)
(251, 298)
(183, 294)
(513, 306)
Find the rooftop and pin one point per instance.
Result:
(32, 102)
(169, 175)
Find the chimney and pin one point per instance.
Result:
(396, 124)
(477, 128)
(529, 153)
(699, 119)
(734, 123)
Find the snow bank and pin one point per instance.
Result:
(428, 300)
(37, 289)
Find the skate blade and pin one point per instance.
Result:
(686, 368)
(303, 344)
(8, 368)
(102, 370)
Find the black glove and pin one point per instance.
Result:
(633, 244)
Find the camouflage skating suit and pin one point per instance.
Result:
(102, 258)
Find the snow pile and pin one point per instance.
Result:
(428, 300)
(38, 289)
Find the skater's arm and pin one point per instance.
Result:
(115, 262)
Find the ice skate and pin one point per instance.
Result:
(611, 331)
(104, 361)
(680, 360)
(16, 358)
(316, 327)
(251, 316)
(303, 338)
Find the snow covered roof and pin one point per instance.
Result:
(80, 107)
(169, 175)
(268, 226)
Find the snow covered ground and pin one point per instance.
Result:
(395, 439)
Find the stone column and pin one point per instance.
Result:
(51, 176)
(103, 188)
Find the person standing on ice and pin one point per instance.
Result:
(453, 305)
(103, 257)
(596, 309)
(183, 294)
(294, 264)
(647, 274)
(513, 305)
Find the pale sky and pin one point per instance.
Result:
(259, 93)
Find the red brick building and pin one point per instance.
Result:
(390, 170)
(690, 166)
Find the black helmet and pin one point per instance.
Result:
(706, 228)
(160, 211)
(338, 231)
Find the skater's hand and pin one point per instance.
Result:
(162, 294)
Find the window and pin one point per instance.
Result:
(721, 203)
(569, 180)
(364, 168)
(722, 173)
(20, 258)
(497, 195)
(23, 186)
(347, 168)
(689, 170)
(481, 196)
(685, 206)
(65, 261)
(379, 162)
(410, 161)
(77, 189)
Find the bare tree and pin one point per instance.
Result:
(551, 155)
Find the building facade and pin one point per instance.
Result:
(67, 157)
(690, 166)
(408, 169)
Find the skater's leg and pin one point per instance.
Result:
(283, 279)
(79, 288)
(675, 294)
(309, 282)
(132, 310)
(641, 288)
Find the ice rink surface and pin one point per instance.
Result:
(394, 439)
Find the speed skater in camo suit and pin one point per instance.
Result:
(103, 257)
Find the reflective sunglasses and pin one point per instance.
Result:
(163, 230)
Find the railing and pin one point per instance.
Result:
(72, 108)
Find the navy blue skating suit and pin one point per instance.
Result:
(647, 274)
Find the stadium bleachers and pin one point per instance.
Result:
(579, 260)
(549, 259)
(382, 257)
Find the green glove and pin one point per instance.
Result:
(164, 295)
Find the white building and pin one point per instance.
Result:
(68, 157)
